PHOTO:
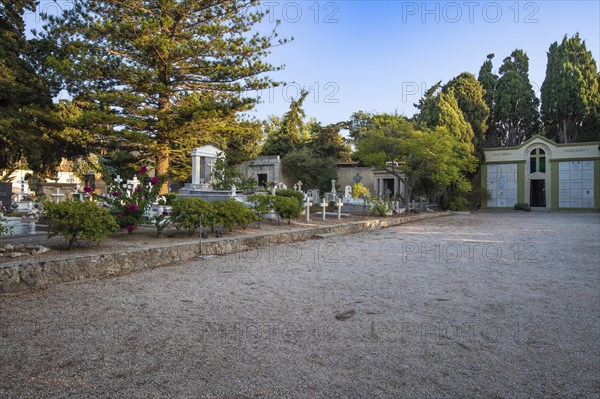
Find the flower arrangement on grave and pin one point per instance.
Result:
(129, 201)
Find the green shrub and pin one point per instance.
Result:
(75, 220)
(4, 229)
(380, 208)
(286, 208)
(260, 205)
(231, 213)
(360, 191)
(161, 221)
(479, 195)
(299, 195)
(458, 203)
(193, 213)
(522, 206)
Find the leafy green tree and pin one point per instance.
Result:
(516, 115)
(327, 142)
(442, 110)
(470, 96)
(31, 127)
(414, 155)
(359, 124)
(216, 117)
(570, 93)
(489, 81)
(289, 136)
(143, 62)
(313, 171)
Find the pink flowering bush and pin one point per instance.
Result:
(129, 207)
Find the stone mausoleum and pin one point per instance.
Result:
(546, 175)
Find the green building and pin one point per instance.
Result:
(544, 174)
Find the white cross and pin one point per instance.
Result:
(131, 185)
(324, 205)
(299, 184)
(118, 180)
(57, 195)
(307, 204)
(339, 204)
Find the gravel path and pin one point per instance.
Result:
(492, 305)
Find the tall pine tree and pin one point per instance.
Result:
(141, 61)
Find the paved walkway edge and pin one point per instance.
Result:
(38, 274)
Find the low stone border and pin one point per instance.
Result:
(29, 275)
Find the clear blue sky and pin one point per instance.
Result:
(381, 55)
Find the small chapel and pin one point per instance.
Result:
(546, 175)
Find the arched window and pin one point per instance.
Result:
(537, 161)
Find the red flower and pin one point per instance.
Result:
(165, 213)
(154, 180)
(116, 193)
(130, 228)
(87, 189)
(132, 207)
(138, 189)
(142, 170)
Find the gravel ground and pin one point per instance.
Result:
(491, 305)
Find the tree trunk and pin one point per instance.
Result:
(162, 165)
(407, 194)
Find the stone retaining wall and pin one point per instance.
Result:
(39, 273)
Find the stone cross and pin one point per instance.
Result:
(324, 205)
(358, 178)
(333, 192)
(118, 180)
(57, 195)
(299, 184)
(273, 190)
(233, 190)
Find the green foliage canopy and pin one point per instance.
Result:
(570, 93)
(151, 67)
